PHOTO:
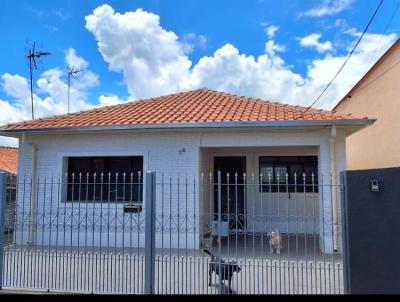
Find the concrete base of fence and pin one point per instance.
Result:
(34, 292)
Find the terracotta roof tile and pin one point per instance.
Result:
(9, 159)
(202, 105)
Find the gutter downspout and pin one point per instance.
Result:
(33, 204)
(334, 189)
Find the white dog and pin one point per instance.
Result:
(275, 242)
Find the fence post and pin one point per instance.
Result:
(345, 242)
(150, 227)
(219, 231)
(3, 189)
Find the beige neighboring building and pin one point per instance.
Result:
(376, 95)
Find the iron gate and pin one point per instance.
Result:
(92, 233)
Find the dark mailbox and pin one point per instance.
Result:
(132, 208)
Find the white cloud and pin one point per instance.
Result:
(61, 14)
(15, 86)
(73, 60)
(271, 30)
(202, 41)
(191, 41)
(11, 112)
(109, 100)
(228, 70)
(328, 7)
(272, 48)
(312, 41)
(152, 60)
(52, 29)
(341, 23)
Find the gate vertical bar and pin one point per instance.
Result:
(3, 188)
(150, 227)
(219, 232)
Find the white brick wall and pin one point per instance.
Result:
(161, 153)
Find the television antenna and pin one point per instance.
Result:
(32, 55)
(71, 74)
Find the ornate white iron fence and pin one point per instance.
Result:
(207, 234)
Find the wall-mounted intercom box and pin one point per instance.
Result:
(374, 185)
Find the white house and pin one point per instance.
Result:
(193, 134)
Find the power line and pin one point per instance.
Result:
(384, 31)
(374, 80)
(348, 57)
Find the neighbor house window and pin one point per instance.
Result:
(105, 179)
(277, 173)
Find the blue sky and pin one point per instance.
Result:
(283, 50)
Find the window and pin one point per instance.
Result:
(101, 179)
(278, 173)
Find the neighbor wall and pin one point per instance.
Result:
(376, 96)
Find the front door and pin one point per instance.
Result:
(233, 190)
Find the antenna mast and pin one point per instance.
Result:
(71, 74)
(31, 56)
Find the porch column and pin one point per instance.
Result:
(326, 216)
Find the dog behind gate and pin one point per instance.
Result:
(275, 241)
(227, 269)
